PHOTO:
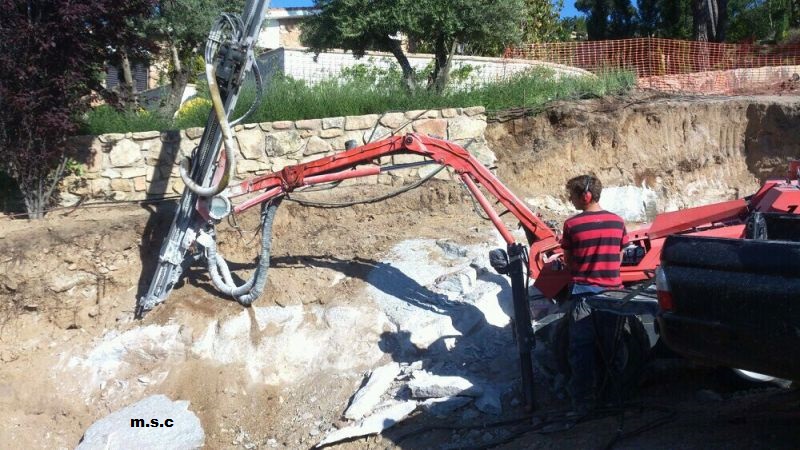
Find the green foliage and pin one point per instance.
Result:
(761, 20)
(368, 91)
(484, 26)
(106, 119)
(542, 23)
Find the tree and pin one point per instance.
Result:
(608, 19)
(361, 25)
(597, 12)
(51, 53)
(542, 20)
(181, 27)
(676, 19)
(649, 15)
(710, 20)
(622, 22)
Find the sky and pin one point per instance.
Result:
(568, 11)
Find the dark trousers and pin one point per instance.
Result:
(593, 333)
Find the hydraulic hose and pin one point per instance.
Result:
(228, 141)
(247, 293)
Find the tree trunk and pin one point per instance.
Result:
(179, 78)
(443, 77)
(710, 19)
(37, 195)
(409, 75)
(127, 87)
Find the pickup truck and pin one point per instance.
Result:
(735, 302)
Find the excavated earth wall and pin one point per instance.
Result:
(689, 151)
(406, 280)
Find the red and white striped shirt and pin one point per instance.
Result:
(594, 240)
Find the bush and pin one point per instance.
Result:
(369, 90)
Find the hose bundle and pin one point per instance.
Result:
(247, 293)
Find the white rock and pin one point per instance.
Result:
(427, 385)
(125, 153)
(115, 430)
(369, 396)
(489, 402)
(443, 407)
(375, 423)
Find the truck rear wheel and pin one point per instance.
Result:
(634, 346)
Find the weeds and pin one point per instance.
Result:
(365, 90)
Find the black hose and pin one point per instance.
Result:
(268, 212)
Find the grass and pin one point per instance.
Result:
(352, 95)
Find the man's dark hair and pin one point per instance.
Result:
(585, 183)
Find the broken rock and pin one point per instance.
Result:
(369, 396)
(375, 423)
(116, 429)
(427, 385)
(443, 407)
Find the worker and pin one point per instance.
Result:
(592, 244)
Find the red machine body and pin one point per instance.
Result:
(726, 219)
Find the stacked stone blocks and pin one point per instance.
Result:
(137, 166)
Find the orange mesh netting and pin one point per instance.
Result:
(680, 66)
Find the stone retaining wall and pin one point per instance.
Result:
(136, 166)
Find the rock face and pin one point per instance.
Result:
(688, 152)
(176, 428)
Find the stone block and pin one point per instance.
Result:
(283, 125)
(315, 146)
(360, 122)
(376, 134)
(121, 185)
(125, 153)
(331, 132)
(463, 127)
(133, 172)
(432, 127)
(250, 126)
(142, 135)
(251, 143)
(393, 120)
(281, 143)
(310, 124)
(194, 132)
(405, 158)
(100, 187)
(338, 142)
(280, 163)
(110, 138)
(265, 126)
(249, 166)
(422, 114)
(110, 173)
(178, 186)
(449, 112)
(474, 110)
(332, 122)
(140, 184)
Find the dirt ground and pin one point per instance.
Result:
(71, 279)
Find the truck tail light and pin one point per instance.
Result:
(663, 291)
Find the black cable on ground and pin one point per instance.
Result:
(551, 417)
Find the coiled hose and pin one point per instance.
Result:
(247, 293)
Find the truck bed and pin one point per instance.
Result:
(736, 302)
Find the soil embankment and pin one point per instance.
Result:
(280, 375)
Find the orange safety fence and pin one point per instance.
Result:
(675, 65)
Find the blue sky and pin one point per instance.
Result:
(568, 11)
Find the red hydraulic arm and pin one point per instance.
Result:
(344, 165)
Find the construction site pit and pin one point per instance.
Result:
(395, 300)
